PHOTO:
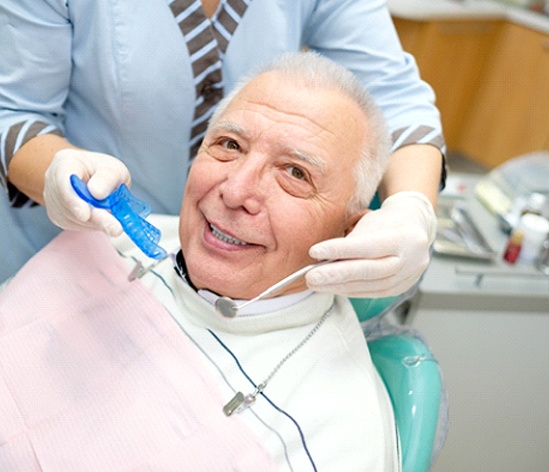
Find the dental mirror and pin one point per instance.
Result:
(227, 307)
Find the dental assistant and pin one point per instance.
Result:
(109, 89)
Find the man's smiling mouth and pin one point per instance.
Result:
(225, 237)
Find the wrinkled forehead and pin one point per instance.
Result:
(326, 113)
(288, 94)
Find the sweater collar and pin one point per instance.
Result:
(274, 314)
(256, 308)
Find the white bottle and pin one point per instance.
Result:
(535, 204)
(535, 229)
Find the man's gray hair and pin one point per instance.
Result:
(321, 73)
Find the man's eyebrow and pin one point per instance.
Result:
(308, 158)
(230, 127)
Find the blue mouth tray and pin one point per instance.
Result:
(130, 212)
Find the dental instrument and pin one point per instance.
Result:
(130, 212)
(227, 307)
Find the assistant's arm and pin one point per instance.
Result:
(416, 167)
(28, 166)
(35, 69)
(35, 75)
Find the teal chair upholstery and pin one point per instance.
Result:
(413, 381)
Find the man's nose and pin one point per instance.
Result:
(243, 186)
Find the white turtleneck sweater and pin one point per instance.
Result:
(329, 386)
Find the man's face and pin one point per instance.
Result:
(272, 178)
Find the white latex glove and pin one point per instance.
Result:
(103, 175)
(384, 255)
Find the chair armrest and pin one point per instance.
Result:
(413, 381)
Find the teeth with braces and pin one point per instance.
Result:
(225, 237)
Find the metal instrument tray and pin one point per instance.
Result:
(457, 233)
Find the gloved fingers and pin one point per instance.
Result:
(58, 192)
(82, 216)
(353, 270)
(77, 210)
(373, 278)
(375, 289)
(369, 246)
(107, 178)
(370, 289)
(106, 222)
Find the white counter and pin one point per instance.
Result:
(424, 10)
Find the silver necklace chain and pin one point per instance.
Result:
(240, 401)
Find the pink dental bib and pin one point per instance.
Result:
(95, 375)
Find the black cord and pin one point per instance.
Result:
(277, 408)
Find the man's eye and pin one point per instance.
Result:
(230, 144)
(297, 173)
(296, 181)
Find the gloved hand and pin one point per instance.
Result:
(384, 255)
(103, 174)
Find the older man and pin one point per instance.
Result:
(99, 373)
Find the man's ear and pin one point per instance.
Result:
(353, 220)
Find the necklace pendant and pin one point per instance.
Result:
(238, 403)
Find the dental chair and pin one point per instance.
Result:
(413, 381)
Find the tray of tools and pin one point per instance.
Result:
(457, 233)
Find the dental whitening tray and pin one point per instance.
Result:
(130, 212)
(228, 308)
